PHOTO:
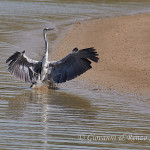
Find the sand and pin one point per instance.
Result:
(123, 45)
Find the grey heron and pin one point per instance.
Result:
(40, 72)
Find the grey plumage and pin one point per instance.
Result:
(73, 65)
(68, 68)
(22, 67)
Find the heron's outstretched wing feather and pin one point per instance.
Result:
(23, 67)
(73, 65)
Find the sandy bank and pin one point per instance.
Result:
(123, 44)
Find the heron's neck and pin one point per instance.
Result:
(46, 44)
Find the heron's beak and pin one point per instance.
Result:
(50, 28)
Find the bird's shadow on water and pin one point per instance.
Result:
(70, 103)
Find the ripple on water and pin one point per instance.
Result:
(57, 119)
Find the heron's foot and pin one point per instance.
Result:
(52, 85)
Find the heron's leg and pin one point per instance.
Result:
(32, 85)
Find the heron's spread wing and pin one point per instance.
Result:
(73, 65)
(23, 67)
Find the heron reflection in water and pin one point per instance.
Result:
(42, 72)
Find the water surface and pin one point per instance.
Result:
(69, 117)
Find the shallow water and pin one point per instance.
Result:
(69, 117)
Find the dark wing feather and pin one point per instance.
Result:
(73, 65)
(23, 67)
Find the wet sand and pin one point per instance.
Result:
(123, 44)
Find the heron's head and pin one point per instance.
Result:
(47, 29)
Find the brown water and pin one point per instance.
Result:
(55, 119)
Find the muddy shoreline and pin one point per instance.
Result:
(124, 49)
